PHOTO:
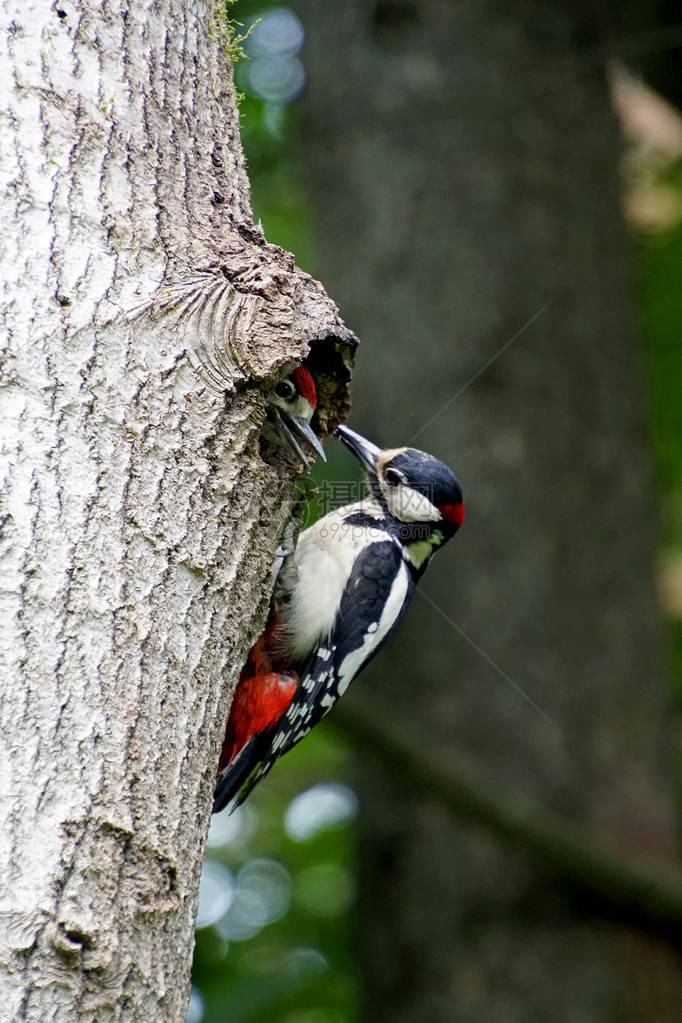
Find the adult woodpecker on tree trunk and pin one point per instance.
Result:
(337, 598)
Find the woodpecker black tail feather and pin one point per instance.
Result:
(232, 782)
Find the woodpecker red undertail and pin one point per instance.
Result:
(337, 598)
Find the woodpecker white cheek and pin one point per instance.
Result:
(409, 505)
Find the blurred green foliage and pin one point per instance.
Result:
(660, 277)
(277, 194)
(299, 968)
(660, 266)
(269, 134)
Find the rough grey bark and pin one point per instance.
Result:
(140, 314)
(464, 159)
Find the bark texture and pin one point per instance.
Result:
(464, 160)
(140, 314)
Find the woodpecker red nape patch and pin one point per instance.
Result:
(453, 512)
(306, 384)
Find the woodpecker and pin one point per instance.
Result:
(337, 598)
(291, 406)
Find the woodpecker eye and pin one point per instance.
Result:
(285, 389)
(393, 477)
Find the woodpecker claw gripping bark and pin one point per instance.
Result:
(338, 597)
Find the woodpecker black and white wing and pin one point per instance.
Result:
(375, 596)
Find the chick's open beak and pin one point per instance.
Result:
(293, 427)
(362, 448)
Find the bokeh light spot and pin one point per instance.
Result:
(277, 33)
(325, 889)
(319, 807)
(273, 71)
(232, 828)
(262, 893)
(275, 79)
(305, 962)
(215, 893)
(196, 1008)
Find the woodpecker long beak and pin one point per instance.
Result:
(362, 448)
(290, 427)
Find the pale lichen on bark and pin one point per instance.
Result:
(137, 519)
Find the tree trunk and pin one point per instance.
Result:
(477, 184)
(141, 313)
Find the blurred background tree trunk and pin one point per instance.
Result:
(465, 167)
